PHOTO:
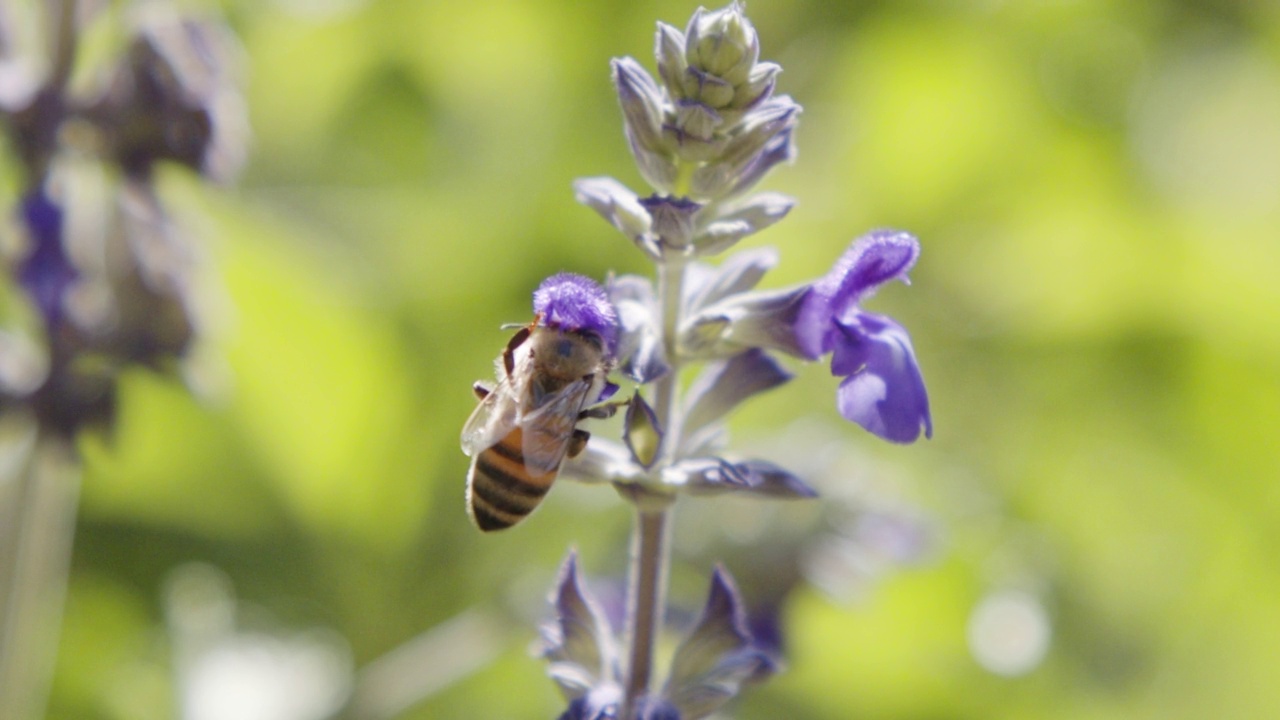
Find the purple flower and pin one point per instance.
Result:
(882, 389)
(46, 273)
(575, 303)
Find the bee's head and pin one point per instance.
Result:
(568, 354)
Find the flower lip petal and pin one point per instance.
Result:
(883, 390)
(576, 303)
(872, 260)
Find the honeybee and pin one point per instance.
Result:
(526, 426)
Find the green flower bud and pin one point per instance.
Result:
(722, 43)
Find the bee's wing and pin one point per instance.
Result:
(492, 419)
(549, 428)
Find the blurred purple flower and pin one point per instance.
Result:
(575, 303)
(46, 273)
(883, 390)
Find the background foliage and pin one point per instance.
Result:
(1097, 188)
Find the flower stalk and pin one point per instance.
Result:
(39, 493)
(650, 557)
(703, 134)
(126, 299)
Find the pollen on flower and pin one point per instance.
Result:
(576, 303)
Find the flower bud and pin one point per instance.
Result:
(723, 43)
(669, 50)
(642, 103)
(642, 433)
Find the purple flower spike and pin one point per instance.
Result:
(575, 303)
(883, 390)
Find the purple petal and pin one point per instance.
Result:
(871, 261)
(575, 303)
(46, 273)
(883, 390)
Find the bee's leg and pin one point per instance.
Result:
(509, 355)
(481, 389)
(578, 442)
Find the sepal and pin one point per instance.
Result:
(640, 352)
(759, 86)
(721, 235)
(642, 433)
(742, 156)
(669, 50)
(578, 643)
(738, 273)
(780, 149)
(725, 384)
(718, 656)
(713, 476)
(657, 168)
(642, 102)
(764, 319)
(603, 460)
(622, 208)
(672, 220)
(740, 220)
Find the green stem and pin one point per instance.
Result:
(650, 551)
(39, 492)
(650, 545)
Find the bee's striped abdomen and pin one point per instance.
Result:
(501, 488)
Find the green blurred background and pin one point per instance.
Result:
(1096, 185)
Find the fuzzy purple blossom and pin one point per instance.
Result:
(46, 273)
(883, 390)
(575, 303)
